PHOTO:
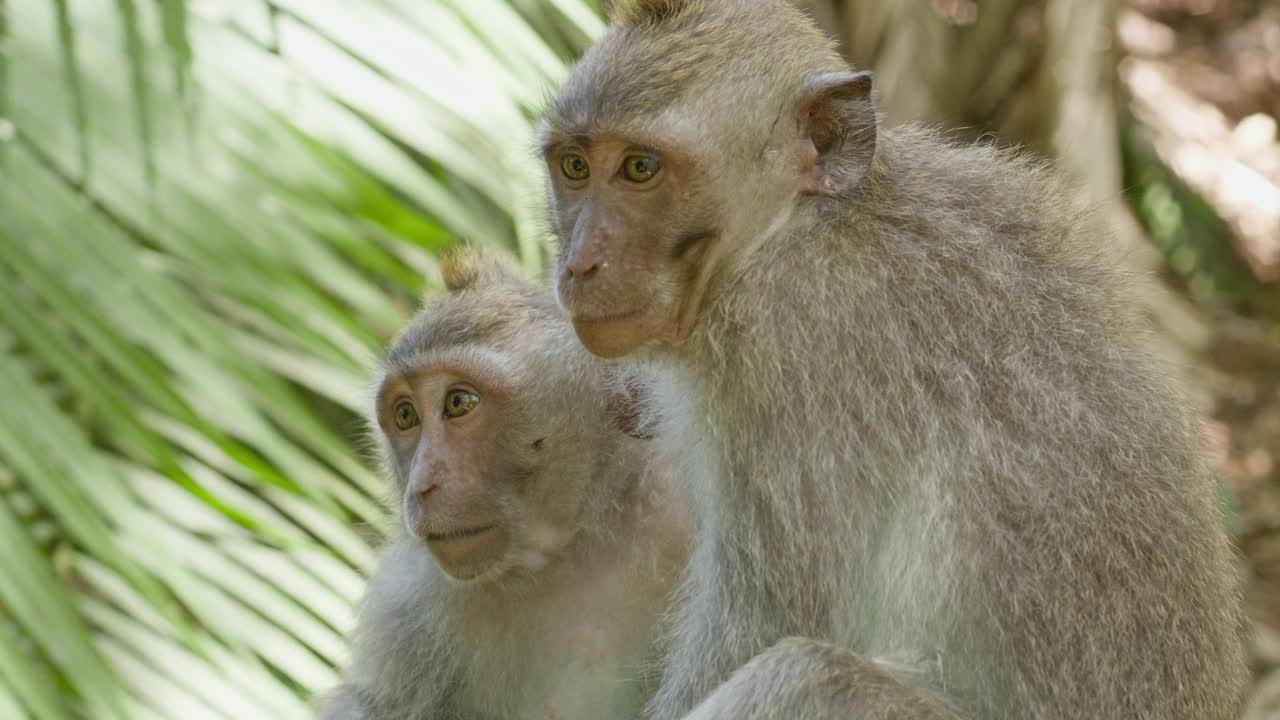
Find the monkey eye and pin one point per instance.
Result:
(575, 167)
(641, 168)
(406, 415)
(460, 402)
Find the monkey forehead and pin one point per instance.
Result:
(492, 316)
(493, 369)
(736, 51)
(619, 80)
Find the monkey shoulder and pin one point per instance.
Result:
(959, 287)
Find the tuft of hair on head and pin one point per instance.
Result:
(644, 13)
(468, 267)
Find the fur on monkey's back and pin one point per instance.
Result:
(963, 333)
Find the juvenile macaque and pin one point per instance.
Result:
(928, 443)
(540, 539)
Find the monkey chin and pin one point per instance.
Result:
(614, 336)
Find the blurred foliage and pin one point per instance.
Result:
(1194, 240)
(212, 216)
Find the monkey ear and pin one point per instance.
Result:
(468, 267)
(627, 406)
(837, 115)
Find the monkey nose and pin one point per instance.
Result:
(582, 270)
(421, 493)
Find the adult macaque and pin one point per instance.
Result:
(927, 437)
(539, 539)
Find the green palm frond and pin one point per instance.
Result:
(212, 216)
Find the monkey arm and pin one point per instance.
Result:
(403, 692)
(402, 657)
(803, 678)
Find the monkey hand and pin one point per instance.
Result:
(803, 678)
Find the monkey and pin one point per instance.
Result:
(936, 468)
(539, 538)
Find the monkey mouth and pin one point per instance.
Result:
(612, 317)
(458, 534)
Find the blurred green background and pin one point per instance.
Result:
(213, 215)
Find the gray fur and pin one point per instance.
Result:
(921, 422)
(571, 637)
(937, 437)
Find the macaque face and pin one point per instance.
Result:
(648, 222)
(661, 174)
(463, 459)
(633, 224)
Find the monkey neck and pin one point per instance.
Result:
(633, 523)
(760, 387)
(645, 508)
(622, 567)
(716, 266)
(724, 262)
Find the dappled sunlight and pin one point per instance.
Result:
(214, 215)
(1235, 166)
